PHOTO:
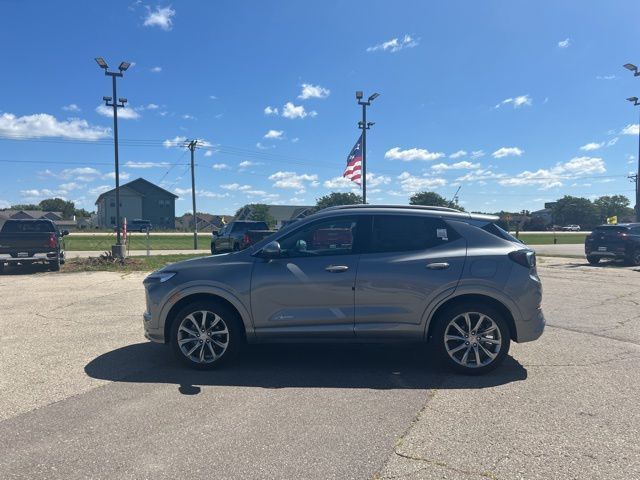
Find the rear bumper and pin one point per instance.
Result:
(620, 252)
(36, 257)
(531, 329)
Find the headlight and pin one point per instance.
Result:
(158, 277)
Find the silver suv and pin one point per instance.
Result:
(356, 273)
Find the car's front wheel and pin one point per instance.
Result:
(472, 339)
(206, 334)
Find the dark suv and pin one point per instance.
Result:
(617, 242)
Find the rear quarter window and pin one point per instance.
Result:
(402, 233)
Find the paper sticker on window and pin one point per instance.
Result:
(441, 233)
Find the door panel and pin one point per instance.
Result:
(309, 289)
(393, 289)
(303, 295)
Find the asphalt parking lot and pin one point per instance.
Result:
(85, 396)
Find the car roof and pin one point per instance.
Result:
(444, 212)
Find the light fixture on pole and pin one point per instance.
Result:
(631, 67)
(636, 178)
(118, 250)
(364, 126)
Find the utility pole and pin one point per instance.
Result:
(634, 100)
(117, 250)
(192, 147)
(364, 126)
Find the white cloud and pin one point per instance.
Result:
(295, 140)
(506, 152)
(375, 180)
(130, 164)
(35, 193)
(213, 97)
(296, 111)
(100, 189)
(395, 44)
(592, 146)
(183, 192)
(339, 183)
(162, 17)
(72, 107)
(605, 77)
(235, 186)
(479, 175)
(70, 186)
(631, 129)
(612, 142)
(81, 174)
(464, 165)
(564, 43)
(45, 125)
(208, 153)
(293, 180)
(155, 69)
(477, 154)
(553, 177)
(178, 141)
(124, 113)
(220, 166)
(313, 91)
(412, 154)
(260, 146)
(268, 110)
(152, 106)
(186, 116)
(458, 154)
(4, 204)
(411, 183)
(274, 134)
(248, 163)
(517, 102)
(112, 176)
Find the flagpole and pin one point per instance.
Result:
(364, 126)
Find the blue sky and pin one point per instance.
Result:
(516, 102)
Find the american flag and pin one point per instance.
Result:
(354, 163)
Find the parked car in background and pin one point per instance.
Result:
(571, 228)
(28, 241)
(238, 235)
(139, 225)
(356, 273)
(616, 242)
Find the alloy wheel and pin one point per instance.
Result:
(472, 339)
(203, 337)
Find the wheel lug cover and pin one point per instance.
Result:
(466, 343)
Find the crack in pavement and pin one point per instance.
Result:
(575, 330)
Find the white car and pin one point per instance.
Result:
(571, 228)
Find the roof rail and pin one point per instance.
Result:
(412, 207)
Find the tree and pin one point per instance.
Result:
(258, 212)
(571, 210)
(58, 205)
(335, 199)
(25, 206)
(432, 199)
(616, 205)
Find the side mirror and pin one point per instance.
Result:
(214, 234)
(271, 250)
(64, 232)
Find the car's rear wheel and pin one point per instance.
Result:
(206, 334)
(634, 258)
(213, 249)
(593, 260)
(472, 338)
(54, 266)
(236, 247)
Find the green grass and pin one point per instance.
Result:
(130, 264)
(137, 241)
(547, 238)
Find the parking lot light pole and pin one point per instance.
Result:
(364, 126)
(634, 100)
(118, 249)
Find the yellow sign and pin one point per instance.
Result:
(612, 220)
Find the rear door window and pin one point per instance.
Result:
(403, 233)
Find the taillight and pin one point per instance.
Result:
(622, 236)
(245, 239)
(526, 258)
(53, 240)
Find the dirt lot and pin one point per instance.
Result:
(84, 395)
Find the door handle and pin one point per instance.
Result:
(337, 268)
(438, 266)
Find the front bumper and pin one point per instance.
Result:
(153, 334)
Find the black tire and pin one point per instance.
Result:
(1, 268)
(228, 318)
(593, 260)
(213, 249)
(475, 310)
(236, 247)
(54, 266)
(634, 258)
